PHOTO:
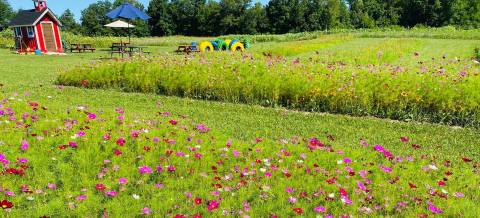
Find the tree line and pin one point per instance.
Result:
(221, 17)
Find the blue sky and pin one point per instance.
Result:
(59, 6)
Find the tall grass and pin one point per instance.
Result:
(362, 90)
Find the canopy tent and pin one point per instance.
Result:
(127, 11)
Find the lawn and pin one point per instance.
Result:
(243, 159)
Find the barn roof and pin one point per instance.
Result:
(31, 17)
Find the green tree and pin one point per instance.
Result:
(69, 22)
(287, 15)
(254, 20)
(6, 14)
(465, 13)
(94, 17)
(359, 17)
(161, 23)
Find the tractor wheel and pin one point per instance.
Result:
(221, 45)
(237, 46)
(227, 43)
(205, 46)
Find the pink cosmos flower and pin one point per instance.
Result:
(145, 170)
(22, 160)
(319, 209)
(212, 205)
(81, 134)
(146, 211)
(171, 168)
(268, 174)
(459, 195)
(386, 169)
(434, 209)
(111, 193)
(173, 122)
(235, 153)
(122, 181)
(292, 200)
(92, 116)
(24, 145)
(378, 148)
(81, 197)
(289, 190)
(73, 144)
(52, 186)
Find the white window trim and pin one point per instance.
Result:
(18, 32)
(30, 28)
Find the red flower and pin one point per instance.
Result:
(6, 204)
(298, 210)
(120, 141)
(117, 152)
(198, 201)
(146, 148)
(466, 159)
(197, 216)
(412, 185)
(100, 187)
(179, 216)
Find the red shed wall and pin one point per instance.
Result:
(56, 33)
(40, 38)
(29, 42)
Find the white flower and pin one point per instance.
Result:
(30, 198)
(331, 195)
(339, 161)
(135, 196)
(263, 170)
(433, 167)
(444, 191)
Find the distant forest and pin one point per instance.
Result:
(222, 17)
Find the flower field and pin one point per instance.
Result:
(67, 163)
(84, 137)
(390, 79)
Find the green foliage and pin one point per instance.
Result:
(336, 80)
(161, 23)
(6, 13)
(69, 22)
(477, 53)
(94, 17)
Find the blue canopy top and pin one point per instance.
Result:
(127, 11)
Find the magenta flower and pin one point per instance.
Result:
(81, 197)
(73, 144)
(319, 209)
(24, 145)
(81, 134)
(122, 181)
(146, 211)
(92, 116)
(386, 169)
(212, 205)
(434, 209)
(289, 190)
(111, 193)
(145, 170)
(171, 168)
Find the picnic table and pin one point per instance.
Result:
(123, 48)
(187, 49)
(81, 47)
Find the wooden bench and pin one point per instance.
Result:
(187, 49)
(81, 47)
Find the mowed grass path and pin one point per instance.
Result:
(35, 75)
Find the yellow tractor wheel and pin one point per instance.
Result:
(237, 46)
(205, 46)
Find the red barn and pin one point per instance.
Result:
(37, 29)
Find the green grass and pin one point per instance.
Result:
(31, 78)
